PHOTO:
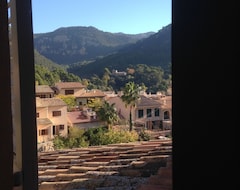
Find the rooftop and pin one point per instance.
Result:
(67, 85)
(45, 102)
(92, 93)
(116, 166)
(43, 89)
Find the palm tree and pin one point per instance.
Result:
(130, 97)
(108, 113)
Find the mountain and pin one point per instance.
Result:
(45, 62)
(68, 45)
(153, 51)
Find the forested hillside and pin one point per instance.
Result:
(47, 72)
(146, 62)
(152, 51)
(75, 44)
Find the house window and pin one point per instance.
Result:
(56, 129)
(166, 115)
(43, 132)
(37, 114)
(156, 112)
(42, 96)
(140, 113)
(67, 92)
(56, 113)
(149, 112)
(61, 127)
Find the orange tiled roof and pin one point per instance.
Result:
(67, 85)
(45, 102)
(43, 89)
(76, 117)
(92, 93)
(149, 102)
(43, 121)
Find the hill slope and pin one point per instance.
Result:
(153, 51)
(75, 44)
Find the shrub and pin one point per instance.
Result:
(58, 142)
(143, 136)
(94, 137)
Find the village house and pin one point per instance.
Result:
(51, 118)
(118, 73)
(69, 88)
(84, 119)
(88, 96)
(44, 91)
(150, 112)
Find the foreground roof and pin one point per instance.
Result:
(116, 166)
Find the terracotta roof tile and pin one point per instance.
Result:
(149, 102)
(43, 121)
(43, 89)
(92, 93)
(98, 168)
(45, 102)
(67, 85)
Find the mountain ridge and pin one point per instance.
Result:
(67, 45)
(152, 51)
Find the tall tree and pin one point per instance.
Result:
(108, 113)
(130, 97)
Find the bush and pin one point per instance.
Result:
(113, 136)
(95, 136)
(58, 142)
(143, 136)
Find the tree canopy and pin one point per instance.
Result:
(130, 97)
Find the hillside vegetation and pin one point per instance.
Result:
(152, 51)
(74, 44)
(47, 72)
(147, 61)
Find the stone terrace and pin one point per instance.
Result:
(118, 166)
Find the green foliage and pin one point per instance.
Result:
(149, 58)
(95, 104)
(130, 97)
(108, 113)
(44, 76)
(59, 142)
(74, 139)
(150, 78)
(47, 72)
(69, 100)
(94, 137)
(152, 51)
(45, 62)
(104, 136)
(143, 136)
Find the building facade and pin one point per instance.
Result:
(51, 118)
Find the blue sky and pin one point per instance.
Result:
(127, 16)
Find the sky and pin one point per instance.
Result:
(126, 16)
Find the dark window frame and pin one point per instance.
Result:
(156, 112)
(140, 113)
(57, 113)
(149, 112)
(69, 92)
